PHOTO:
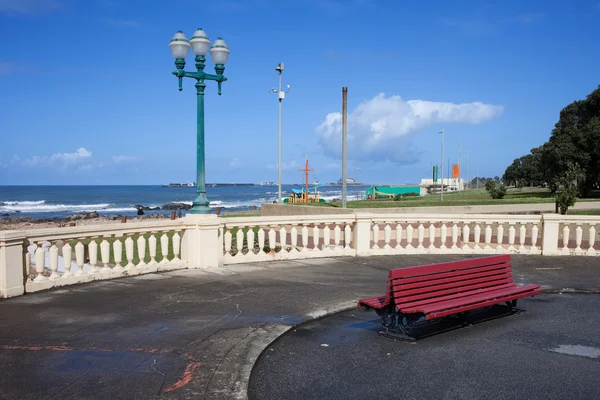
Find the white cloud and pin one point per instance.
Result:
(332, 165)
(382, 128)
(235, 163)
(63, 159)
(28, 6)
(86, 167)
(123, 159)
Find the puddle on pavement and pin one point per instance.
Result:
(578, 350)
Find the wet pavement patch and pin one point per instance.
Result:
(523, 355)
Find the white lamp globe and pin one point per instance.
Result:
(200, 42)
(219, 52)
(179, 45)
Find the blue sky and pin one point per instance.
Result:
(87, 95)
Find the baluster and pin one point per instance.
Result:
(316, 237)
(28, 266)
(477, 236)
(398, 235)
(239, 241)
(420, 236)
(118, 253)
(53, 262)
(337, 236)
(409, 236)
(79, 254)
(152, 247)
(443, 236)
(511, 236)
(93, 249)
(67, 259)
(534, 236)
(105, 254)
(228, 241)
(294, 238)
(283, 237)
(250, 240)
(500, 235)
(387, 236)
(272, 241)
(488, 236)
(176, 247)
(455, 236)
(466, 232)
(578, 237)
(522, 237)
(347, 236)
(375, 236)
(432, 236)
(40, 258)
(261, 240)
(304, 237)
(164, 248)
(141, 250)
(326, 237)
(129, 252)
(566, 232)
(591, 240)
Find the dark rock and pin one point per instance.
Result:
(85, 215)
(176, 206)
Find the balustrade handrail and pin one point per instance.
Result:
(468, 218)
(100, 230)
(288, 220)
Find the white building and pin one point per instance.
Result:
(450, 185)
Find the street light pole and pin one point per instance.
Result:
(459, 166)
(442, 168)
(219, 52)
(468, 183)
(281, 96)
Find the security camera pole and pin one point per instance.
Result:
(344, 143)
(281, 96)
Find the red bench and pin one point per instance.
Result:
(447, 289)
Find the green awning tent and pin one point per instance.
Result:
(391, 191)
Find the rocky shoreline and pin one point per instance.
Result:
(12, 222)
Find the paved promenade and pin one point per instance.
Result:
(196, 335)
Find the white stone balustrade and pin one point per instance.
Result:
(287, 238)
(45, 258)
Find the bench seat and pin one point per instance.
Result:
(444, 289)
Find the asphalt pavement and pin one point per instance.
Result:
(194, 334)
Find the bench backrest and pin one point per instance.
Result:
(445, 281)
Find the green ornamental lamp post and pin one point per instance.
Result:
(219, 52)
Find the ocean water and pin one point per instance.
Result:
(61, 201)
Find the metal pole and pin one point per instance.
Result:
(279, 165)
(459, 169)
(477, 174)
(201, 203)
(468, 170)
(344, 138)
(442, 168)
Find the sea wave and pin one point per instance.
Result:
(21, 203)
(37, 207)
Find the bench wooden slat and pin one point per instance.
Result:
(449, 266)
(463, 278)
(490, 302)
(411, 304)
(454, 287)
(375, 302)
(440, 275)
(493, 297)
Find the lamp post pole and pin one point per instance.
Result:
(442, 167)
(219, 52)
(281, 95)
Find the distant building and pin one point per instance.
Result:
(450, 185)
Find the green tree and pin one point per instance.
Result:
(567, 185)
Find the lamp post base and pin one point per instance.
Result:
(201, 209)
(201, 205)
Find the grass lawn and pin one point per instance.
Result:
(472, 197)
